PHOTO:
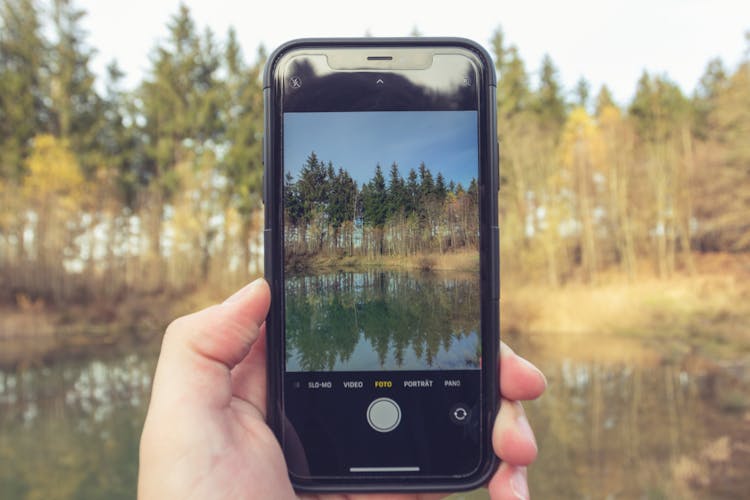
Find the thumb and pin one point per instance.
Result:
(199, 350)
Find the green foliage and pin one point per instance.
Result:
(513, 94)
(603, 100)
(23, 110)
(375, 200)
(321, 202)
(671, 174)
(397, 193)
(242, 115)
(582, 91)
(709, 87)
(181, 98)
(549, 103)
(658, 108)
(394, 312)
(343, 194)
(76, 107)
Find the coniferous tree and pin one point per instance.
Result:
(412, 192)
(710, 85)
(440, 189)
(340, 204)
(549, 102)
(77, 107)
(603, 100)
(426, 185)
(582, 91)
(397, 194)
(513, 84)
(24, 111)
(242, 114)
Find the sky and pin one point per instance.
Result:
(449, 146)
(606, 41)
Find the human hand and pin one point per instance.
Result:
(205, 434)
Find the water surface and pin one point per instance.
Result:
(606, 429)
(382, 320)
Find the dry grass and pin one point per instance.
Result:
(709, 313)
(453, 261)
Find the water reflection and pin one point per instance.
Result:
(72, 430)
(382, 320)
(605, 430)
(625, 431)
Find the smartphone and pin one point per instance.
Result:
(381, 249)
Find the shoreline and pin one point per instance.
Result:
(464, 261)
(705, 314)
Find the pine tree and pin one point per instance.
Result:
(77, 107)
(440, 189)
(711, 84)
(513, 81)
(549, 102)
(412, 193)
(582, 91)
(242, 115)
(426, 185)
(397, 195)
(603, 100)
(181, 102)
(375, 208)
(23, 99)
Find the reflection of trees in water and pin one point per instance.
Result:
(635, 432)
(394, 312)
(72, 430)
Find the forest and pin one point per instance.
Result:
(155, 190)
(326, 213)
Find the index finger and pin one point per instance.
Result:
(519, 378)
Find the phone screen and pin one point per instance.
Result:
(382, 272)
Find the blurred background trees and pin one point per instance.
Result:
(110, 192)
(588, 188)
(106, 192)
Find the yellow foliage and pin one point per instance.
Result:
(609, 116)
(53, 173)
(581, 141)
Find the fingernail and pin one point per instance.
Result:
(523, 426)
(505, 349)
(242, 291)
(519, 485)
(533, 368)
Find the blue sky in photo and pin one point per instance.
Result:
(446, 141)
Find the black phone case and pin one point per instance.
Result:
(489, 250)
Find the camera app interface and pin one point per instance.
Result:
(382, 292)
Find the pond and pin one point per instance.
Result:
(606, 428)
(382, 320)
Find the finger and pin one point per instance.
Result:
(512, 437)
(509, 483)
(249, 376)
(199, 350)
(519, 379)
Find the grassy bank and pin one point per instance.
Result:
(454, 261)
(32, 332)
(707, 313)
